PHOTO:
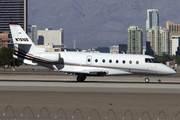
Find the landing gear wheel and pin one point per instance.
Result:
(146, 80)
(81, 78)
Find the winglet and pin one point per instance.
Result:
(12, 23)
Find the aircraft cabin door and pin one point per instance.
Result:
(89, 60)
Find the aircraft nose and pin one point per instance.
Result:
(172, 71)
(175, 71)
(167, 70)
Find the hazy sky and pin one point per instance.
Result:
(98, 22)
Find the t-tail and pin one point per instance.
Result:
(26, 50)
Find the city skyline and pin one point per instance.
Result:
(105, 26)
(152, 18)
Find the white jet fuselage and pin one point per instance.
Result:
(111, 64)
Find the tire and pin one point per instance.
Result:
(146, 80)
(80, 79)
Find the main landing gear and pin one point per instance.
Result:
(146, 79)
(81, 78)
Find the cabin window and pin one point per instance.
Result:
(117, 61)
(137, 62)
(130, 62)
(123, 61)
(103, 60)
(89, 60)
(110, 61)
(96, 60)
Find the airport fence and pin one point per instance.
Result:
(44, 114)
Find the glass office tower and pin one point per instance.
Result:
(135, 40)
(13, 11)
(152, 18)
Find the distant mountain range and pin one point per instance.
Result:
(98, 23)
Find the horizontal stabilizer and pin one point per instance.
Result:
(29, 62)
(26, 61)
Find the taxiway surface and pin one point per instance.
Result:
(46, 95)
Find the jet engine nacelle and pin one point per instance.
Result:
(50, 57)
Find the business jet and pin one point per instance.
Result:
(85, 64)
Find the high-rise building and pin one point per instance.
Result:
(49, 37)
(13, 11)
(157, 41)
(135, 40)
(174, 44)
(174, 29)
(32, 33)
(152, 18)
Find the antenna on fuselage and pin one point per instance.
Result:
(77, 50)
(123, 52)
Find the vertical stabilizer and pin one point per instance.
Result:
(22, 42)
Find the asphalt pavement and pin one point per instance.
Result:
(43, 94)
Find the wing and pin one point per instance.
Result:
(90, 72)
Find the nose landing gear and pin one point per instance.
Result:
(146, 79)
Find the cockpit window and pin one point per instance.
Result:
(155, 61)
(148, 60)
(151, 60)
